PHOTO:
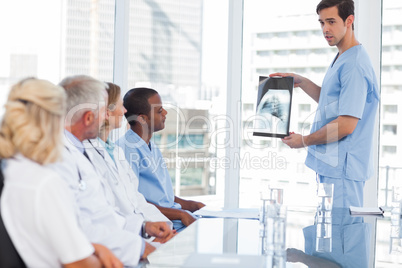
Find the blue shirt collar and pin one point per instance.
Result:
(140, 142)
(109, 146)
(73, 139)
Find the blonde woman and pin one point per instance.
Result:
(36, 204)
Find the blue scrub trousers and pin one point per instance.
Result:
(346, 192)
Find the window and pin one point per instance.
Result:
(390, 166)
(389, 130)
(304, 107)
(178, 49)
(390, 109)
(290, 49)
(391, 96)
(64, 38)
(157, 139)
(188, 141)
(192, 176)
(303, 128)
(388, 151)
(248, 107)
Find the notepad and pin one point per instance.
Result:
(363, 211)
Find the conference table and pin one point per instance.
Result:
(235, 242)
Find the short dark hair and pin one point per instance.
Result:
(345, 7)
(136, 103)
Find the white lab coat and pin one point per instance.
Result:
(98, 217)
(39, 213)
(123, 183)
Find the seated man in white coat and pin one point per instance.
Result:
(99, 217)
(110, 162)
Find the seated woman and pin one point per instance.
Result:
(36, 204)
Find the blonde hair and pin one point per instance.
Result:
(32, 123)
(113, 92)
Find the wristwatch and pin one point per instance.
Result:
(143, 231)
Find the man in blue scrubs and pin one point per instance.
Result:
(146, 115)
(340, 145)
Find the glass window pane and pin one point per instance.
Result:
(390, 153)
(280, 37)
(51, 39)
(391, 97)
(179, 48)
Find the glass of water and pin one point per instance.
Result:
(325, 192)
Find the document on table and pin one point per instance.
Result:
(363, 211)
(225, 260)
(238, 213)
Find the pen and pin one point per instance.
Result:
(381, 210)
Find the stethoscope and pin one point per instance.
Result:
(116, 180)
(82, 185)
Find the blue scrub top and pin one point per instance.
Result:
(109, 147)
(148, 164)
(349, 88)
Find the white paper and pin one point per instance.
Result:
(238, 213)
(365, 211)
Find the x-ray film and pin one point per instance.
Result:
(274, 103)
